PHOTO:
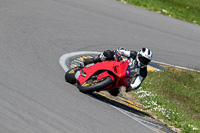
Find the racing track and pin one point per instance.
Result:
(34, 97)
(122, 104)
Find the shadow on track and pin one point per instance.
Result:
(120, 105)
(141, 116)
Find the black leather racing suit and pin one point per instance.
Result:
(138, 74)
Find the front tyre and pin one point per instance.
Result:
(70, 76)
(96, 85)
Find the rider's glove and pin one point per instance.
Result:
(120, 48)
(117, 56)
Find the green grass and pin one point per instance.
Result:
(187, 10)
(173, 96)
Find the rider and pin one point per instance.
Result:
(137, 67)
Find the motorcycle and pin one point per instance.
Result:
(108, 75)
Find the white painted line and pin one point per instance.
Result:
(154, 68)
(65, 57)
(136, 119)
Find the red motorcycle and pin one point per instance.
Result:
(109, 75)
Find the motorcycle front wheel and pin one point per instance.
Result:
(70, 76)
(95, 85)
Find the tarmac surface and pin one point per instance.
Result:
(34, 97)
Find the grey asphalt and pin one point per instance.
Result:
(34, 97)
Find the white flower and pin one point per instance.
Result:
(147, 106)
(167, 116)
(154, 103)
(159, 12)
(163, 10)
(123, 1)
(194, 128)
(163, 112)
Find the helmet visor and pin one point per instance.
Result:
(143, 60)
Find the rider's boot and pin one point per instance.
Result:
(88, 61)
(114, 92)
(91, 60)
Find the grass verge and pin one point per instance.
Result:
(174, 97)
(186, 10)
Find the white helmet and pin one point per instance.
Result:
(144, 56)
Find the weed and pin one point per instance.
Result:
(173, 96)
(187, 10)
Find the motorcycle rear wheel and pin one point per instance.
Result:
(95, 85)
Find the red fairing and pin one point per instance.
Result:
(116, 70)
(103, 75)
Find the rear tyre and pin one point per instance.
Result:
(70, 76)
(91, 87)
